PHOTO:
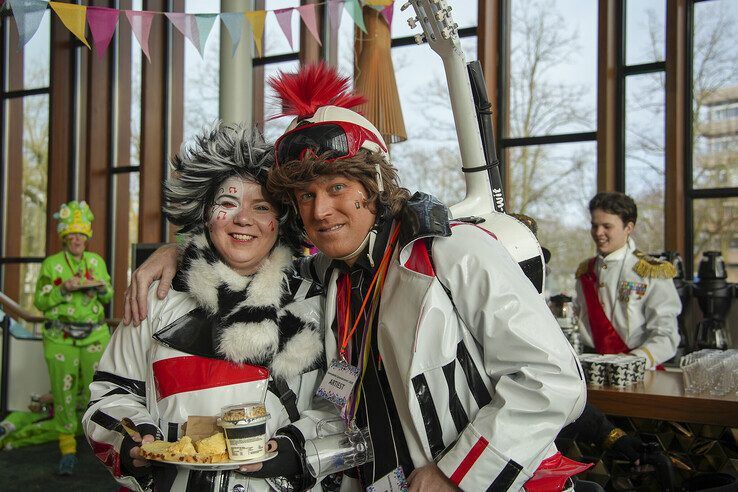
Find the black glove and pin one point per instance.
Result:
(126, 462)
(290, 464)
(628, 447)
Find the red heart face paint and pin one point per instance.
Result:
(242, 224)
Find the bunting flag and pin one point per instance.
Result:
(140, 21)
(353, 7)
(388, 12)
(28, 15)
(307, 12)
(185, 23)
(284, 19)
(256, 19)
(204, 28)
(73, 17)
(102, 22)
(234, 23)
(335, 9)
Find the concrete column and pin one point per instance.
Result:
(235, 102)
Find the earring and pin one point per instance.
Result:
(356, 204)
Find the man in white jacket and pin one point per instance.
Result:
(626, 300)
(465, 378)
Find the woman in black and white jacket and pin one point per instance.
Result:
(238, 325)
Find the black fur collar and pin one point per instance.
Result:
(249, 317)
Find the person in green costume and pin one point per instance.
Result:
(71, 290)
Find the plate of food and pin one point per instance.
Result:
(85, 284)
(209, 453)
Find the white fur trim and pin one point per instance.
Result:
(266, 285)
(249, 341)
(300, 352)
(201, 281)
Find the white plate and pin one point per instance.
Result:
(223, 465)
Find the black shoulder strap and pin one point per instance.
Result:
(286, 396)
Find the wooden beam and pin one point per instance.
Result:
(14, 162)
(676, 130)
(153, 127)
(61, 124)
(607, 90)
(176, 107)
(98, 140)
(310, 50)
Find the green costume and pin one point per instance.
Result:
(72, 361)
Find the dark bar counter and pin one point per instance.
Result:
(661, 397)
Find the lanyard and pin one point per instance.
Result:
(375, 291)
(87, 273)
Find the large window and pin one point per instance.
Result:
(548, 124)
(25, 150)
(714, 193)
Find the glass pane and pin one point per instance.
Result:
(463, 13)
(136, 78)
(346, 46)
(645, 28)
(553, 68)
(202, 74)
(644, 156)
(29, 273)
(35, 166)
(553, 184)
(275, 128)
(716, 229)
(429, 160)
(275, 41)
(34, 56)
(715, 95)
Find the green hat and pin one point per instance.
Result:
(74, 217)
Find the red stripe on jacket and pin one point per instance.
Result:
(192, 373)
(471, 457)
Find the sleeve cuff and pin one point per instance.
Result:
(473, 464)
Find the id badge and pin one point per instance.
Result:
(394, 481)
(338, 382)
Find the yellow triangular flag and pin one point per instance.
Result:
(256, 19)
(73, 17)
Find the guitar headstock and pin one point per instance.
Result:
(439, 28)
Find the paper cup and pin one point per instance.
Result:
(597, 372)
(244, 426)
(618, 373)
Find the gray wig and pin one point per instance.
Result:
(215, 155)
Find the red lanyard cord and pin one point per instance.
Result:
(382, 267)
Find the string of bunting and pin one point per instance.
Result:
(103, 21)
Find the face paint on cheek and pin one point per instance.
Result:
(271, 225)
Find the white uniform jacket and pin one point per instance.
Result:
(480, 372)
(642, 309)
(167, 369)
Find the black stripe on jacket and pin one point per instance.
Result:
(473, 378)
(430, 416)
(133, 386)
(458, 414)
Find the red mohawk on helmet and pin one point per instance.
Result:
(313, 86)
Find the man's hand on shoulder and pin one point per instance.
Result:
(162, 265)
(430, 477)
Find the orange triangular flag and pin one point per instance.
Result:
(73, 17)
(256, 19)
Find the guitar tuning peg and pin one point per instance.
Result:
(447, 32)
(440, 15)
(404, 6)
(412, 22)
(419, 38)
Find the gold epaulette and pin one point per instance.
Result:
(582, 268)
(650, 267)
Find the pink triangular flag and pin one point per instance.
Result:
(388, 12)
(284, 18)
(187, 25)
(140, 21)
(307, 12)
(335, 10)
(102, 22)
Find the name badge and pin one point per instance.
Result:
(394, 481)
(338, 382)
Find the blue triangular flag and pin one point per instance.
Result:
(234, 23)
(28, 15)
(204, 27)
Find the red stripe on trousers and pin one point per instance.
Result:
(472, 456)
(190, 373)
